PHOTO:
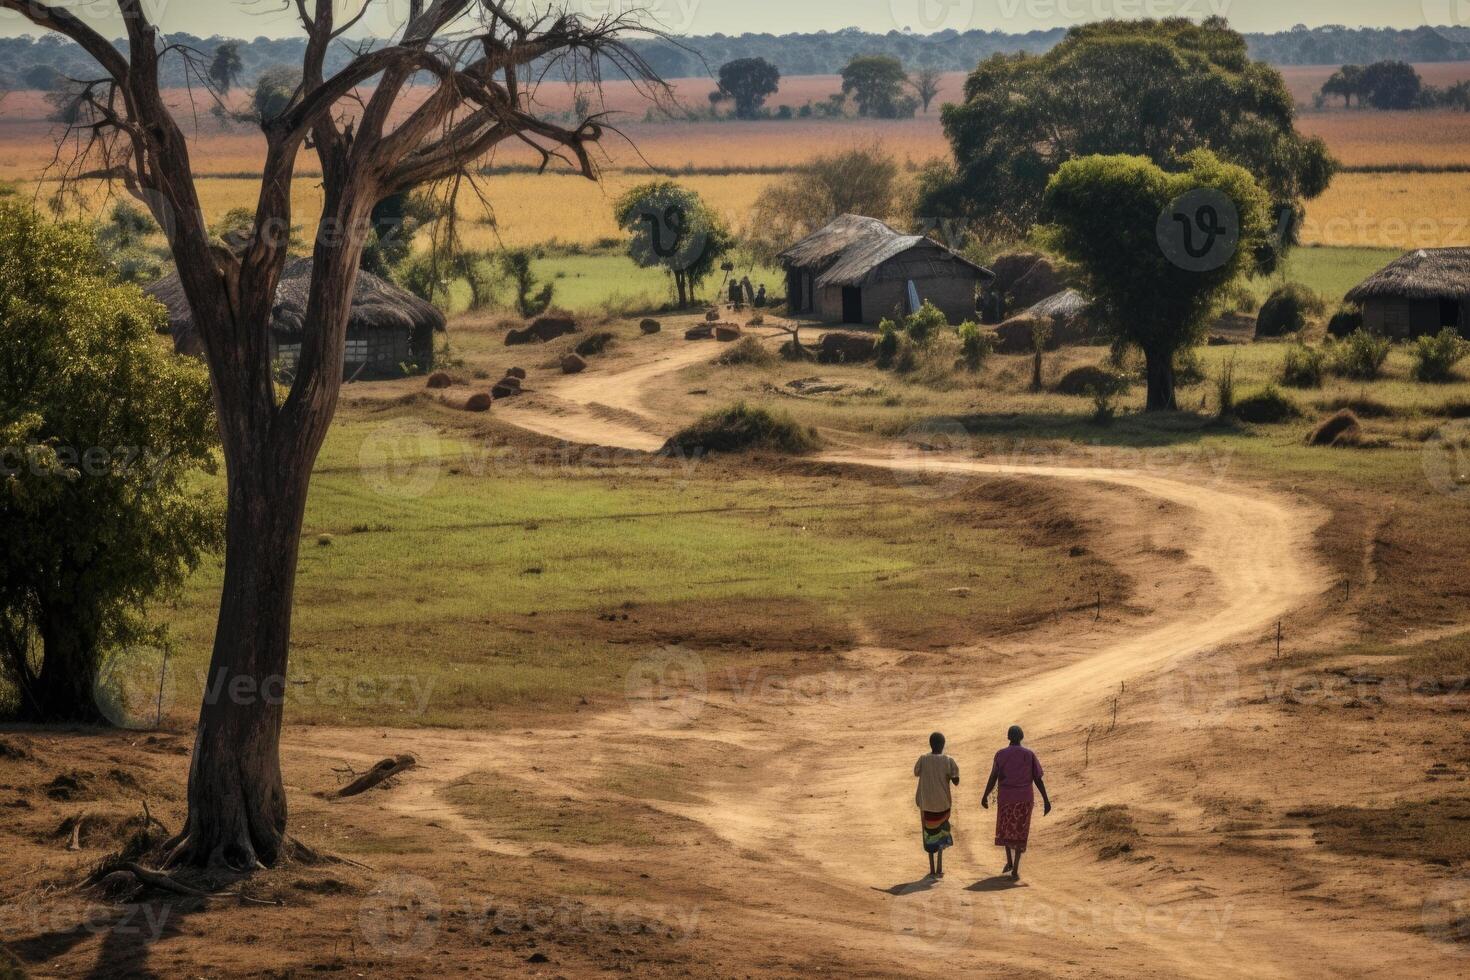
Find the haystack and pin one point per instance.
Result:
(1069, 314)
(388, 329)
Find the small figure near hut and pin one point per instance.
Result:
(734, 292)
(760, 297)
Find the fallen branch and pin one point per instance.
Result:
(161, 881)
(378, 774)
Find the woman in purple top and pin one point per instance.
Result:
(1016, 770)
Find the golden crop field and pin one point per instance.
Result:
(1366, 138)
(1397, 210)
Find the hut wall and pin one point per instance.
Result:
(373, 353)
(1402, 318)
(955, 295)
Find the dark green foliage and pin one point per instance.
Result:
(670, 227)
(1361, 355)
(1303, 367)
(1267, 407)
(876, 84)
(1286, 310)
(740, 427)
(225, 68)
(274, 90)
(103, 431)
(976, 345)
(1156, 88)
(1344, 320)
(749, 81)
(1435, 357)
(529, 301)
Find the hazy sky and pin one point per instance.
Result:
(249, 18)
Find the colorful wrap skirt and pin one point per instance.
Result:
(1013, 824)
(937, 832)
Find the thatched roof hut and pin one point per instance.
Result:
(1419, 293)
(1068, 312)
(388, 330)
(859, 270)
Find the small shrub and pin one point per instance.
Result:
(748, 351)
(1080, 381)
(1188, 371)
(1339, 429)
(887, 346)
(975, 345)
(1361, 355)
(925, 325)
(1344, 320)
(1105, 390)
(1303, 367)
(1268, 407)
(1225, 388)
(1435, 357)
(1286, 310)
(740, 427)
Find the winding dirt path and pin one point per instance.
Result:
(807, 800)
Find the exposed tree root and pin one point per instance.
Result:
(378, 774)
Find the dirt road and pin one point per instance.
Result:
(806, 801)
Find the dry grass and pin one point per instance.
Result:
(1404, 139)
(1394, 210)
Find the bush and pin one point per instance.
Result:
(1225, 388)
(1345, 320)
(975, 345)
(1106, 388)
(748, 351)
(1080, 381)
(1360, 355)
(595, 344)
(1435, 357)
(1188, 371)
(1304, 367)
(1286, 310)
(740, 427)
(1267, 407)
(926, 324)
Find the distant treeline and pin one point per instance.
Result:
(47, 62)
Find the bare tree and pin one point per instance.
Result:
(925, 83)
(483, 62)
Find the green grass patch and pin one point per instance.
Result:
(1327, 271)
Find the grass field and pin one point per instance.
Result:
(520, 579)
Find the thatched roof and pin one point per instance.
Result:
(1429, 273)
(377, 304)
(851, 248)
(823, 247)
(1061, 306)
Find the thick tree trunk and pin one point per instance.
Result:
(237, 803)
(63, 689)
(1161, 381)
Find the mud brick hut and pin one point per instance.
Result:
(859, 270)
(390, 332)
(1421, 293)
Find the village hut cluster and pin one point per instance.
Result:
(390, 331)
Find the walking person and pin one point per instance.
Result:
(936, 773)
(1016, 769)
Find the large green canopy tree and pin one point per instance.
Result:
(670, 227)
(1155, 88)
(102, 431)
(1156, 249)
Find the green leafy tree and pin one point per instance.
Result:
(1112, 215)
(865, 180)
(1391, 85)
(225, 68)
(749, 81)
(102, 432)
(274, 91)
(670, 227)
(876, 84)
(1155, 88)
(1346, 83)
(530, 300)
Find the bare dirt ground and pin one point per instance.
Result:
(728, 824)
